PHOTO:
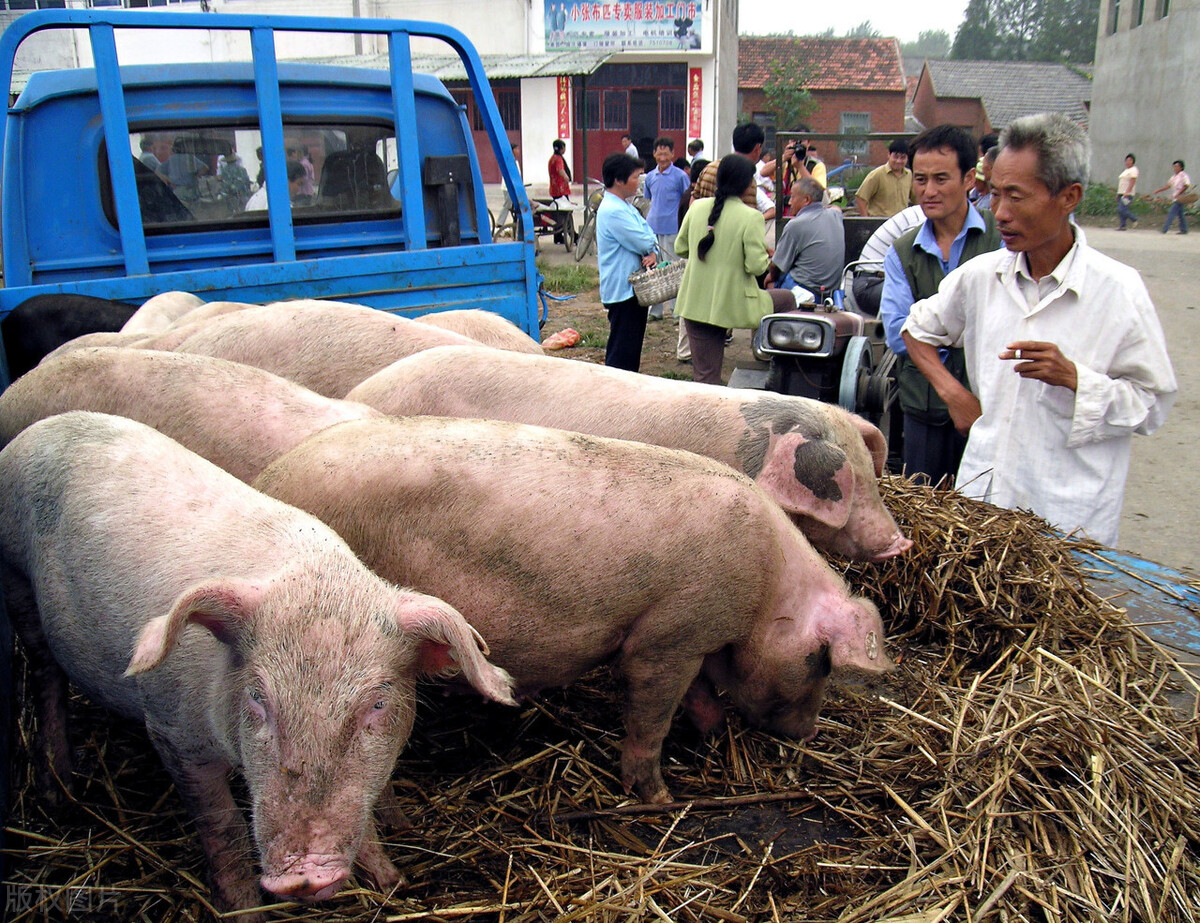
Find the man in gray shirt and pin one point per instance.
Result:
(811, 251)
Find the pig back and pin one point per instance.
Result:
(328, 347)
(485, 327)
(234, 415)
(552, 544)
(810, 457)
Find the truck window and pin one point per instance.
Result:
(214, 175)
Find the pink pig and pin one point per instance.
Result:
(236, 416)
(243, 632)
(568, 551)
(819, 462)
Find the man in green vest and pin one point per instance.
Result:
(952, 233)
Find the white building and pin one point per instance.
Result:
(1146, 89)
(653, 69)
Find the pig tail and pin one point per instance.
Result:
(734, 176)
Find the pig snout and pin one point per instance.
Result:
(312, 878)
(898, 546)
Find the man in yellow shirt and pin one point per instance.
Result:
(887, 190)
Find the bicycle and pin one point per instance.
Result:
(587, 233)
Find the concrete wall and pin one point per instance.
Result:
(1146, 92)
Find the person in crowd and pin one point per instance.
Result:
(1064, 348)
(665, 187)
(624, 242)
(297, 154)
(182, 170)
(748, 141)
(986, 143)
(235, 181)
(295, 176)
(1178, 184)
(722, 237)
(629, 147)
(953, 233)
(887, 189)
(799, 161)
(983, 180)
(560, 176)
(1126, 190)
(812, 248)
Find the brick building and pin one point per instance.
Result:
(857, 85)
(984, 96)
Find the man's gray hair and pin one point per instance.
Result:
(1062, 148)
(811, 188)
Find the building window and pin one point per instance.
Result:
(1139, 13)
(616, 110)
(593, 109)
(1114, 16)
(854, 123)
(765, 121)
(1164, 7)
(671, 110)
(508, 100)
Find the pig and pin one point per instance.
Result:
(160, 312)
(567, 551)
(819, 462)
(326, 346)
(243, 633)
(41, 324)
(488, 328)
(95, 340)
(238, 417)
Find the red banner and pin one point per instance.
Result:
(564, 107)
(695, 98)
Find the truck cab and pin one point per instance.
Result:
(126, 181)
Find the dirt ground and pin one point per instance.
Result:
(1159, 520)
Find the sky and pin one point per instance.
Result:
(903, 20)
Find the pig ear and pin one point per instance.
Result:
(221, 607)
(876, 444)
(812, 477)
(853, 632)
(446, 644)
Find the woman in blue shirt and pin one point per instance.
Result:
(624, 242)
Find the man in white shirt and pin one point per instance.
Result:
(630, 147)
(1062, 345)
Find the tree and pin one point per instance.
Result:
(1027, 30)
(786, 96)
(930, 44)
(863, 30)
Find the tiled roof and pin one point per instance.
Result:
(1011, 89)
(838, 63)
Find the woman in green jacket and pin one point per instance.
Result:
(720, 289)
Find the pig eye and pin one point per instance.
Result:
(380, 705)
(258, 701)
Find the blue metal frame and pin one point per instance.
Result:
(405, 280)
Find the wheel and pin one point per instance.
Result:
(568, 232)
(856, 372)
(491, 225)
(586, 237)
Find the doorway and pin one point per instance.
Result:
(643, 122)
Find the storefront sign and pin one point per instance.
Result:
(572, 25)
(695, 100)
(564, 107)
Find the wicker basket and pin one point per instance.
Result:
(654, 286)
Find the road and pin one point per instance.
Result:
(1162, 496)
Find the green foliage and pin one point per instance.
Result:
(929, 44)
(568, 279)
(786, 96)
(1027, 30)
(676, 376)
(863, 30)
(1100, 201)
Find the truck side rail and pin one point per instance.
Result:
(101, 26)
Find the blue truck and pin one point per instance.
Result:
(121, 182)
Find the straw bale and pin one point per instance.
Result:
(1027, 761)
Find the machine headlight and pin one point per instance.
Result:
(789, 334)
